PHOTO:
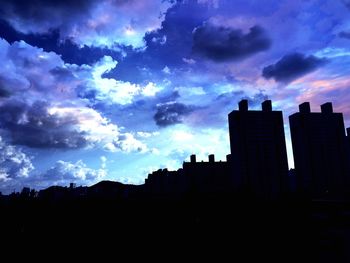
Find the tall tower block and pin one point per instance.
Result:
(258, 150)
(319, 149)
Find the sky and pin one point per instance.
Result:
(96, 90)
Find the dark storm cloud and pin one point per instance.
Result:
(171, 113)
(221, 43)
(34, 126)
(86, 22)
(292, 66)
(167, 46)
(43, 10)
(347, 3)
(62, 74)
(171, 44)
(344, 34)
(51, 41)
(4, 93)
(90, 95)
(142, 110)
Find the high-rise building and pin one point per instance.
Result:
(348, 158)
(319, 149)
(348, 138)
(258, 150)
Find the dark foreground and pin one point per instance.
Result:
(285, 231)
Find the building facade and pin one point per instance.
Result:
(319, 149)
(258, 150)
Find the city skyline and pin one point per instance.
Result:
(113, 90)
(256, 166)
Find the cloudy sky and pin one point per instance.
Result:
(114, 89)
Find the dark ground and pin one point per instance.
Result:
(285, 231)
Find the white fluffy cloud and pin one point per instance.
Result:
(64, 172)
(14, 163)
(126, 142)
(17, 171)
(113, 91)
(61, 173)
(28, 69)
(98, 131)
(40, 106)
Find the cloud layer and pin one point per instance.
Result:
(292, 66)
(136, 81)
(14, 163)
(61, 173)
(41, 108)
(171, 113)
(221, 43)
(88, 22)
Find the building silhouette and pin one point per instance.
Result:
(194, 177)
(257, 166)
(348, 147)
(319, 149)
(208, 177)
(163, 183)
(220, 204)
(258, 150)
